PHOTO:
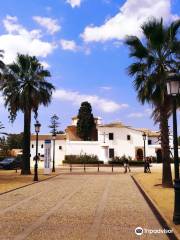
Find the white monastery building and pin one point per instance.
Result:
(112, 140)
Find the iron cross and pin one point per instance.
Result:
(104, 135)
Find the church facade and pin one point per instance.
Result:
(113, 140)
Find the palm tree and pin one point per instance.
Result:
(2, 65)
(24, 88)
(154, 57)
(2, 127)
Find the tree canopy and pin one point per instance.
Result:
(54, 124)
(15, 141)
(154, 57)
(85, 124)
(25, 87)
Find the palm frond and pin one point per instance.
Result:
(137, 49)
(25, 85)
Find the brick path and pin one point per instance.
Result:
(77, 206)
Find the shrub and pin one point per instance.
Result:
(3, 157)
(82, 159)
(120, 161)
(131, 163)
(154, 159)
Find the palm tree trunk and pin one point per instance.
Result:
(166, 171)
(26, 142)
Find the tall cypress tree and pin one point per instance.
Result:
(54, 124)
(85, 124)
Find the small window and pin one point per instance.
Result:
(32, 146)
(42, 145)
(111, 136)
(111, 153)
(128, 137)
(149, 142)
(60, 147)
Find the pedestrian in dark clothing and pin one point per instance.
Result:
(148, 166)
(145, 166)
(126, 166)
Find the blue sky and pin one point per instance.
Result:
(81, 43)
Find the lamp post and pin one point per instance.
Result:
(37, 126)
(144, 139)
(173, 89)
(54, 139)
(144, 155)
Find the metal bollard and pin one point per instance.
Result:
(112, 168)
(70, 167)
(98, 167)
(84, 167)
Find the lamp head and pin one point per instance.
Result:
(173, 84)
(144, 136)
(37, 126)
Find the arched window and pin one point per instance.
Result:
(139, 154)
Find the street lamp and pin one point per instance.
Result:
(54, 139)
(173, 89)
(144, 155)
(144, 139)
(37, 126)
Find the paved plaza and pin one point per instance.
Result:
(77, 206)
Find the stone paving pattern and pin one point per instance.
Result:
(77, 207)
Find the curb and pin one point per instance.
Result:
(29, 184)
(157, 212)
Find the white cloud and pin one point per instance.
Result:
(69, 45)
(106, 88)
(51, 25)
(45, 64)
(48, 9)
(1, 100)
(136, 115)
(19, 40)
(146, 113)
(74, 3)
(76, 98)
(129, 19)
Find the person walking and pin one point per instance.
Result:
(145, 165)
(148, 170)
(126, 166)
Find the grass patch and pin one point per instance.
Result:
(162, 197)
(10, 179)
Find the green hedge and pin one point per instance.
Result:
(82, 159)
(3, 157)
(131, 163)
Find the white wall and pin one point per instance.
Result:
(122, 146)
(59, 154)
(82, 147)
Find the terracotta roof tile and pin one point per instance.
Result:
(71, 133)
(48, 137)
